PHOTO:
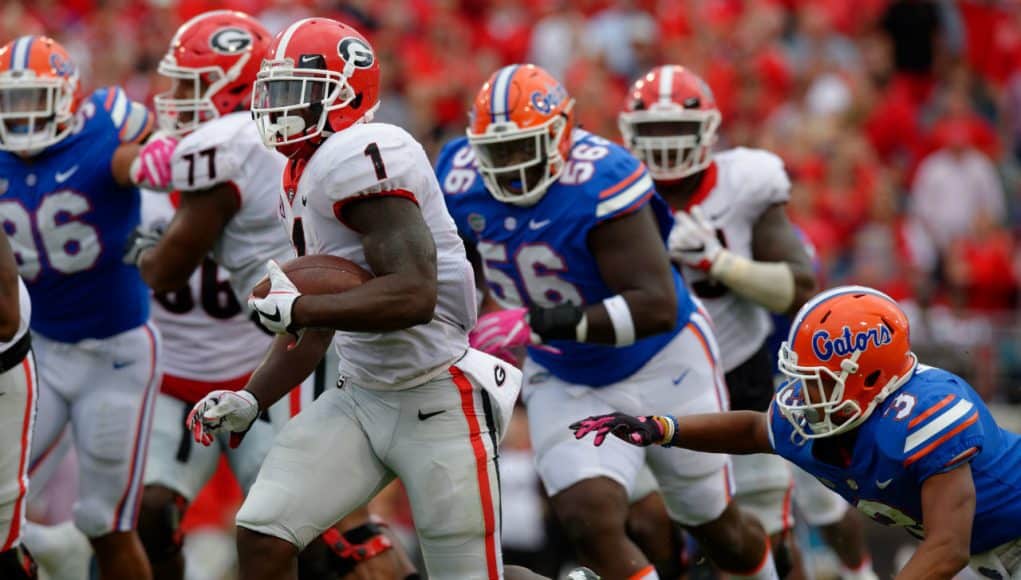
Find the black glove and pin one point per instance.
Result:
(641, 431)
(555, 323)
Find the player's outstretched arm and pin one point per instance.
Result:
(10, 308)
(197, 224)
(634, 264)
(948, 509)
(401, 253)
(733, 432)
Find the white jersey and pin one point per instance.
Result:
(379, 159)
(748, 182)
(229, 150)
(207, 335)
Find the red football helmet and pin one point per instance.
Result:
(38, 94)
(848, 349)
(670, 122)
(213, 59)
(319, 77)
(520, 131)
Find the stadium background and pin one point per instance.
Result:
(899, 122)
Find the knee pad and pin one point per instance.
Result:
(159, 524)
(17, 564)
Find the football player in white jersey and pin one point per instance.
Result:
(226, 194)
(17, 414)
(412, 401)
(739, 253)
(209, 343)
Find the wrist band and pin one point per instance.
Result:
(581, 330)
(620, 317)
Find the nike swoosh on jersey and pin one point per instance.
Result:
(63, 176)
(423, 416)
(678, 380)
(883, 484)
(534, 225)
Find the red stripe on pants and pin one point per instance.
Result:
(26, 428)
(467, 392)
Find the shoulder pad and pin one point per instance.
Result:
(214, 153)
(133, 121)
(456, 170)
(619, 183)
(938, 420)
(758, 174)
(366, 159)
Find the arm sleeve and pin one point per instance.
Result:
(623, 185)
(133, 121)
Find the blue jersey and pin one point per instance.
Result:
(68, 220)
(932, 424)
(540, 255)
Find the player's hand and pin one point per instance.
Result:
(641, 431)
(140, 240)
(151, 169)
(500, 333)
(275, 309)
(693, 240)
(234, 411)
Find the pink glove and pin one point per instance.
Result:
(497, 333)
(151, 169)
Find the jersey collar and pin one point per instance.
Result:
(704, 187)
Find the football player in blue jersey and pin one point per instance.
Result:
(68, 205)
(570, 236)
(909, 445)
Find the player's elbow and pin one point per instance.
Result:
(659, 315)
(954, 555)
(9, 325)
(420, 303)
(164, 283)
(162, 279)
(953, 561)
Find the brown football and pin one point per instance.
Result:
(319, 274)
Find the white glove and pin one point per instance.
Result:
(139, 241)
(234, 411)
(151, 169)
(693, 240)
(275, 309)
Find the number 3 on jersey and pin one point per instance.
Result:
(537, 266)
(69, 245)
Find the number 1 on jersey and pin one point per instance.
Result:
(372, 152)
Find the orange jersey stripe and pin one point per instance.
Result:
(628, 181)
(930, 411)
(928, 448)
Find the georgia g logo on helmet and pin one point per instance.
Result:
(230, 40)
(356, 52)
